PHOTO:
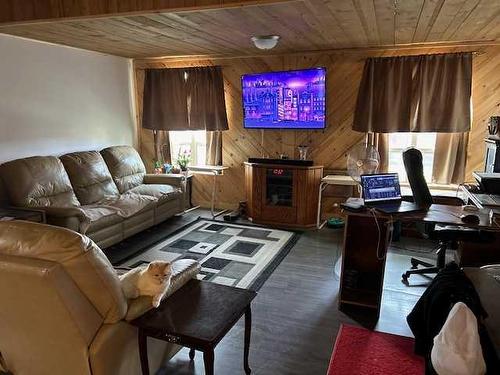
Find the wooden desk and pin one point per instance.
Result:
(365, 246)
(474, 199)
(474, 254)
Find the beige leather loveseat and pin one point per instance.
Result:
(62, 309)
(106, 195)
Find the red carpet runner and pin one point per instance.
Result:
(359, 351)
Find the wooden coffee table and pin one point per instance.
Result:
(197, 316)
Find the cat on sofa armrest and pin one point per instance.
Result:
(153, 280)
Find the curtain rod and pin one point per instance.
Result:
(474, 53)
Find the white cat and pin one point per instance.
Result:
(153, 281)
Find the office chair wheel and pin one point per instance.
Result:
(414, 263)
(404, 278)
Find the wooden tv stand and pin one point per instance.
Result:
(282, 195)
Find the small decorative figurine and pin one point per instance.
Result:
(303, 152)
(493, 125)
(167, 168)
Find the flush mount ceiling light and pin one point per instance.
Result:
(265, 41)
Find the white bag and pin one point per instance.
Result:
(457, 348)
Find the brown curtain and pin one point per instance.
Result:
(205, 86)
(214, 148)
(425, 93)
(384, 96)
(383, 150)
(381, 142)
(161, 146)
(185, 99)
(165, 100)
(450, 156)
(443, 93)
(164, 146)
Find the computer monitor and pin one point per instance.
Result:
(380, 187)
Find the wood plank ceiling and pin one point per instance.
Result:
(304, 25)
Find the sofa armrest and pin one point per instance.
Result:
(55, 211)
(182, 271)
(68, 217)
(63, 212)
(177, 180)
(71, 218)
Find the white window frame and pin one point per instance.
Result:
(195, 141)
(427, 152)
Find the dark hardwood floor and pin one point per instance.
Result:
(295, 315)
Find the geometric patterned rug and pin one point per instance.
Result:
(238, 255)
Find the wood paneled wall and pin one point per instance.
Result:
(328, 147)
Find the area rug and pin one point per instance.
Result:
(231, 254)
(359, 351)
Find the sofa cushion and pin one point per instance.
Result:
(103, 222)
(105, 211)
(125, 165)
(89, 176)
(38, 181)
(161, 192)
(85, 263)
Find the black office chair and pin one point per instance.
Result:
(446, 235)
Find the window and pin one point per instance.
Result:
(186, 140)
(398, 142)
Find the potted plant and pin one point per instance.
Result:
(157, 168)
(183, 159)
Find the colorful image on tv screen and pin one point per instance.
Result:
(293, 99)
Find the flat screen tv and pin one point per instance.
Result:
(292, 99)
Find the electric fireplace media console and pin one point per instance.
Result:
(283, 195)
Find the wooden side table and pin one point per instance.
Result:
(19, 213)
(197, 316)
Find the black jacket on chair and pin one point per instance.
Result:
(431, 311)
(450, 286)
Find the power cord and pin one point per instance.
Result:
(388, 234)
(372, 211)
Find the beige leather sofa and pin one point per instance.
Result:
(62, 308)
(106, 195)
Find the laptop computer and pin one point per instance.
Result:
(383, 192)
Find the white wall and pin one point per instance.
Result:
(56, 99)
